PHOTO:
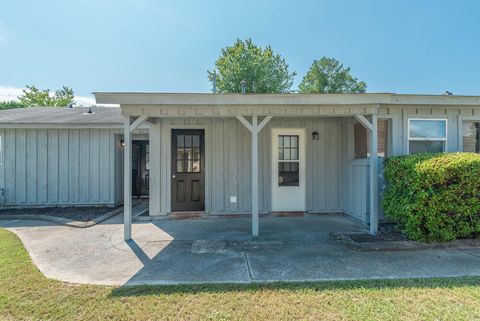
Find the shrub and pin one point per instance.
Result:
(434, 197)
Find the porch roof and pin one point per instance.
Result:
(286, 105)
(292, 99)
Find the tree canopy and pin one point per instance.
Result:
(10, 105)
(262, 69)
(34, 97)
(328, 75)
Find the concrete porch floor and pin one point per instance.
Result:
(222, 250)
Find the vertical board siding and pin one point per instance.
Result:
(9, 156)
(58, 166)
(105, 164)
(229, 171)
(20, 168)
(42, 163)
(52, 166)
(95, 165)
(84, 165)
(73, 164)
(31, 166)
(63, 162)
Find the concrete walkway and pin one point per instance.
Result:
(221, 250)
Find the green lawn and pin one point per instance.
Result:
(26, 294)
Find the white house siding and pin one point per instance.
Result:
(47, 166)
(228, 152)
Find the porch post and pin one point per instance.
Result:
(127, 174)
(373, 177)
(255, 177)
(127, 181)
(254, 129)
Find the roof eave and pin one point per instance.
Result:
(206, 99)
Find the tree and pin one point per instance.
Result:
(328, 75)
(10, 105)
(262, 69)
(34, 97)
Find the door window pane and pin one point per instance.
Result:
(471, 135)
(181, 166)
(180, 141)
(288, 147)
(188, 140)
(288, 161)
(288, 174)
(188, 154)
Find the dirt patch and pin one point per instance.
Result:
(82, 214)
(386, 232)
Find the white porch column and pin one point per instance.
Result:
(374, 177)
(372, 127)
(255, 177)
(254, 129)
(155, 169)
(127, 174)
(127, 181)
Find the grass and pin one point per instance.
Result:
(25, 294)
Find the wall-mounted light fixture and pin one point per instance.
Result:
(315, 135)
(122, 143)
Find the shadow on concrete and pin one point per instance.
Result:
(318, 286)
(137, 250)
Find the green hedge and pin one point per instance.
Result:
(434, 197)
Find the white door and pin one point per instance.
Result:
(288, 169)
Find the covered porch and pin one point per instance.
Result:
(238, 140)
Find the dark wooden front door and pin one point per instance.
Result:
(140, 168)
(188, 170)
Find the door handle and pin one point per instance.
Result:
(173, 176)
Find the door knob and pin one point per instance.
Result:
(173, 176)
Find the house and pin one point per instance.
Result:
(63, 156)
(227, 153)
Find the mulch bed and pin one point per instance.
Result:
(82, 214)
(386, 232)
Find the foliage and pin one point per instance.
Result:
(434, 197)
(10, 105)
(262, 69)
(329, 76)
(34, 97)
(25, 294)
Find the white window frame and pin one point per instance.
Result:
(424, 139)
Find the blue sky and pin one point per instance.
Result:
(402, 46)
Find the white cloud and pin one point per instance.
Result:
(11, 93)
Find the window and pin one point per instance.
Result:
(362, 139)
(427, 135)
(288, 161)
(471, 136)
(188, 154)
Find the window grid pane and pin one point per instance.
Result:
(288, 160)
(188, 156)
(288, 147)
